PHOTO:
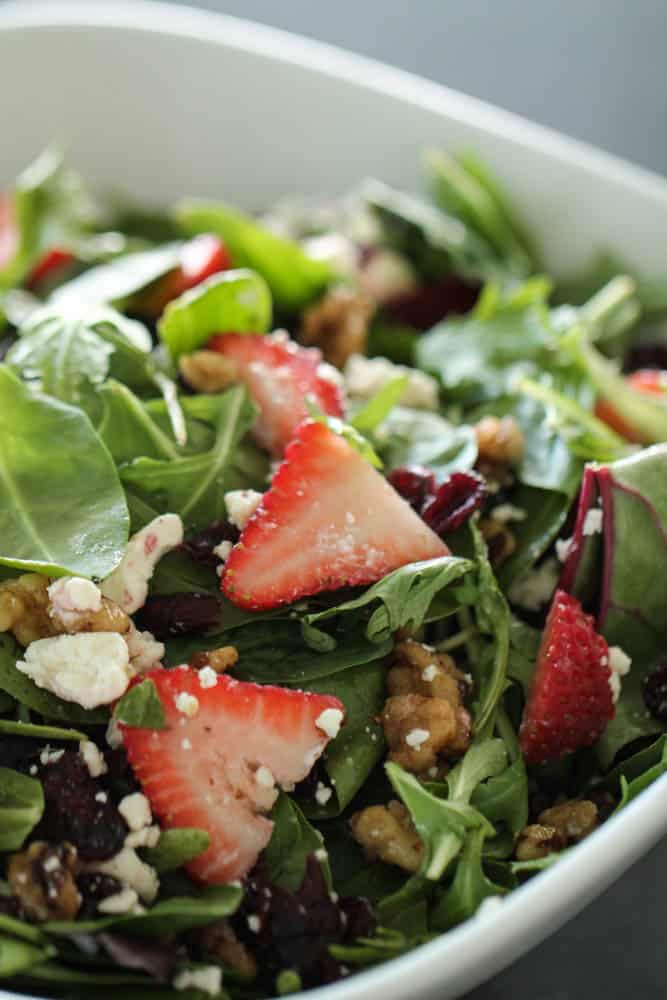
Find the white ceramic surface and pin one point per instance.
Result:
(164, 101)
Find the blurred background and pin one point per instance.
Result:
(595, 69)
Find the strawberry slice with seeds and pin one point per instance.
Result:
(226, 749)
(279, 375)
(571, 699)
(329, 520)
(651, 382)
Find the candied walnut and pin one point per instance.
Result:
(499, 440)
(24, 604)
(536, 841)
(217, 659)
(573, 820)
(417, 729)
(220, 942)
(500, 541)
(387, 832)
(42, 878)
(338, 325)
(421, 670)
(109, 618)
(207, 371)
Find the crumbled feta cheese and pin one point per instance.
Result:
(334, 249)
(128, 868)
(489, 906)
(208, 979)
(121, 902)
(330, 721)
(619, 661)
(417, 737)
(387, 274)
(186, 703)
(128, 584)
(563, 548)
(264, 777)
(430, 673)
(49, 756)
(51, 864)
(321, 855)
(33, 769)
(72, 596)
(592, 521)
(222, 550)
(254, 923)
(114, 734)
(101, 797)
(136, 810)
(241, 505)
(93, 759)
(144, 649)
(366, 376)
(148, 836)
(615, 685)
(90, 668)
(322, 794)
(536, 588)
(506, 512)
(186, 744)
(207, 677)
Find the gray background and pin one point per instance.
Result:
(595, 69)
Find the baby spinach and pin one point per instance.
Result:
(141, 707)
(51, 530)
(239, 301)
(117, 280)
(292, 842)
(420, 437)
(32, 731)
(21, 808)
(176, 847)
(294, 278)
(127, 428)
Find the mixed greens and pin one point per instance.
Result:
(139, 401)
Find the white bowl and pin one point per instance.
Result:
(164, 101)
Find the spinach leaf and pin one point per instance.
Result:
(31, 731)
(292, 841)
(419, 437)
(127, 428)
(176, 847)
(194, 486)
(21, 808)
(26, 692)
(294, 278)
(504, 798)
(404, 596)
(141, 707)
(20, 956)
(20, 929)
(233, 300)
(469, 887)
(117, 280)
(54, 530)
(384, 945)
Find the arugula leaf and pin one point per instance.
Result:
(493, 617)
(194, 486)
(21, 808)
(404, 596)
(26, 692)
(31, 731)
(419, 437)
(20, 956)
(384, 945)
(294, 278)
(117, 280)
(292, 842)
(380, 405)
(141, 707)
(54, 531)
(469, 887)
(176, 847)
(233, 300)
(127, 428)
(504, 798)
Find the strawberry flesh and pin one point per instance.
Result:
(328, 520)
(570, 701)
(279, 374)
(650, 381)
(203, 770)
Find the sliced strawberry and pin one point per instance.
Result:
(651, 381)
(212, 766)
(571, 698)
(200, 258)
(9, 236)
(279, 375)
(49, 266)
(329, 520)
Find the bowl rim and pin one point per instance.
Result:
(476, 949)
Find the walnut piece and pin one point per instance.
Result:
(338, 325)
(217, 659)
(387, 832)
(42, 879)
(558, 827)
(24, 608)
(501, 542)
(207, 371)
(536, 841)
(499, 440)
(220, 942)
(109, 618)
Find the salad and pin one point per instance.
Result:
(332, 577)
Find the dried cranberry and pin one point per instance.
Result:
(166, 615)
(360, 919)
(94, 887)
(200, 547)
(426, 306)
(655, 692)
(414, 483)
(454, 501)
(10, 906)
(647, 356)
(120, 778)
(73, 813)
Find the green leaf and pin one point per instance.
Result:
(504, 798)
(176, 847)
(20, 929)
(31, 731)
(141, 707)
(194, 486)
(383, 946)
(469, 887)
(20, 956)
(26, 692)
(379, 406)
(55, 530)
(348, 432)
(233, 300)
(419, 437)
(21, 808)
(403, 596)
(493, 617)
(117, 280)
(127, 429)
(294, 278)
(292, 842)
